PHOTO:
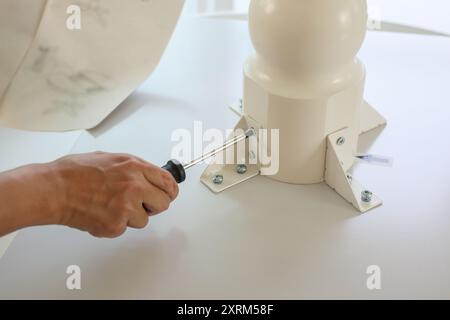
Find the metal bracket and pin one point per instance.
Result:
(339, 161)
(219, 177)
(370, 118)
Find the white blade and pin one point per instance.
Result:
(385, 26)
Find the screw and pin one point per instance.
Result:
(241, 104)
(217, 179)
(366, 196)
(340, 141)
(241, 169)
(349, 177)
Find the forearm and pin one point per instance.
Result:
(28, 198)
(99, 193)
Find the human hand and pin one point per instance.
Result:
(104, 193)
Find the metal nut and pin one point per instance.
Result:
(241, 169)
(217, 179)
(366, 196)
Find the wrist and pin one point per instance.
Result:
(53, 195)
(29, 196)
(41, 193)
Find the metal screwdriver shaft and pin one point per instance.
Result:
(178, 170)
(228, 144)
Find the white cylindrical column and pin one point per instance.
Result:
(304, 78)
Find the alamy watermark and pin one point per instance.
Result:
(262, 149)
(73, 21)
(73, 281)
(374, 280)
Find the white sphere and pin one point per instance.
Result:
(308, 35)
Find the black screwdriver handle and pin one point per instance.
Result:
(176, 169)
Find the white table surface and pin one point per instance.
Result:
(265, 239)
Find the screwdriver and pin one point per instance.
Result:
(178, 170)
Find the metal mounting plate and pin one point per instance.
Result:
(230, 176)
(338, 162)
(229, 171)
(370, 118)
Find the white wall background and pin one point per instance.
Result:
(217, 5)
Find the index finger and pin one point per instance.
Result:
(162, 179)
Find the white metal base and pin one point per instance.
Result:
(370, 118)
(339, 161)
(229, 171)
(230, 175)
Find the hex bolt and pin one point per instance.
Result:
(241, 169)
(217, 179)
(340, 141)
(366, 196)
